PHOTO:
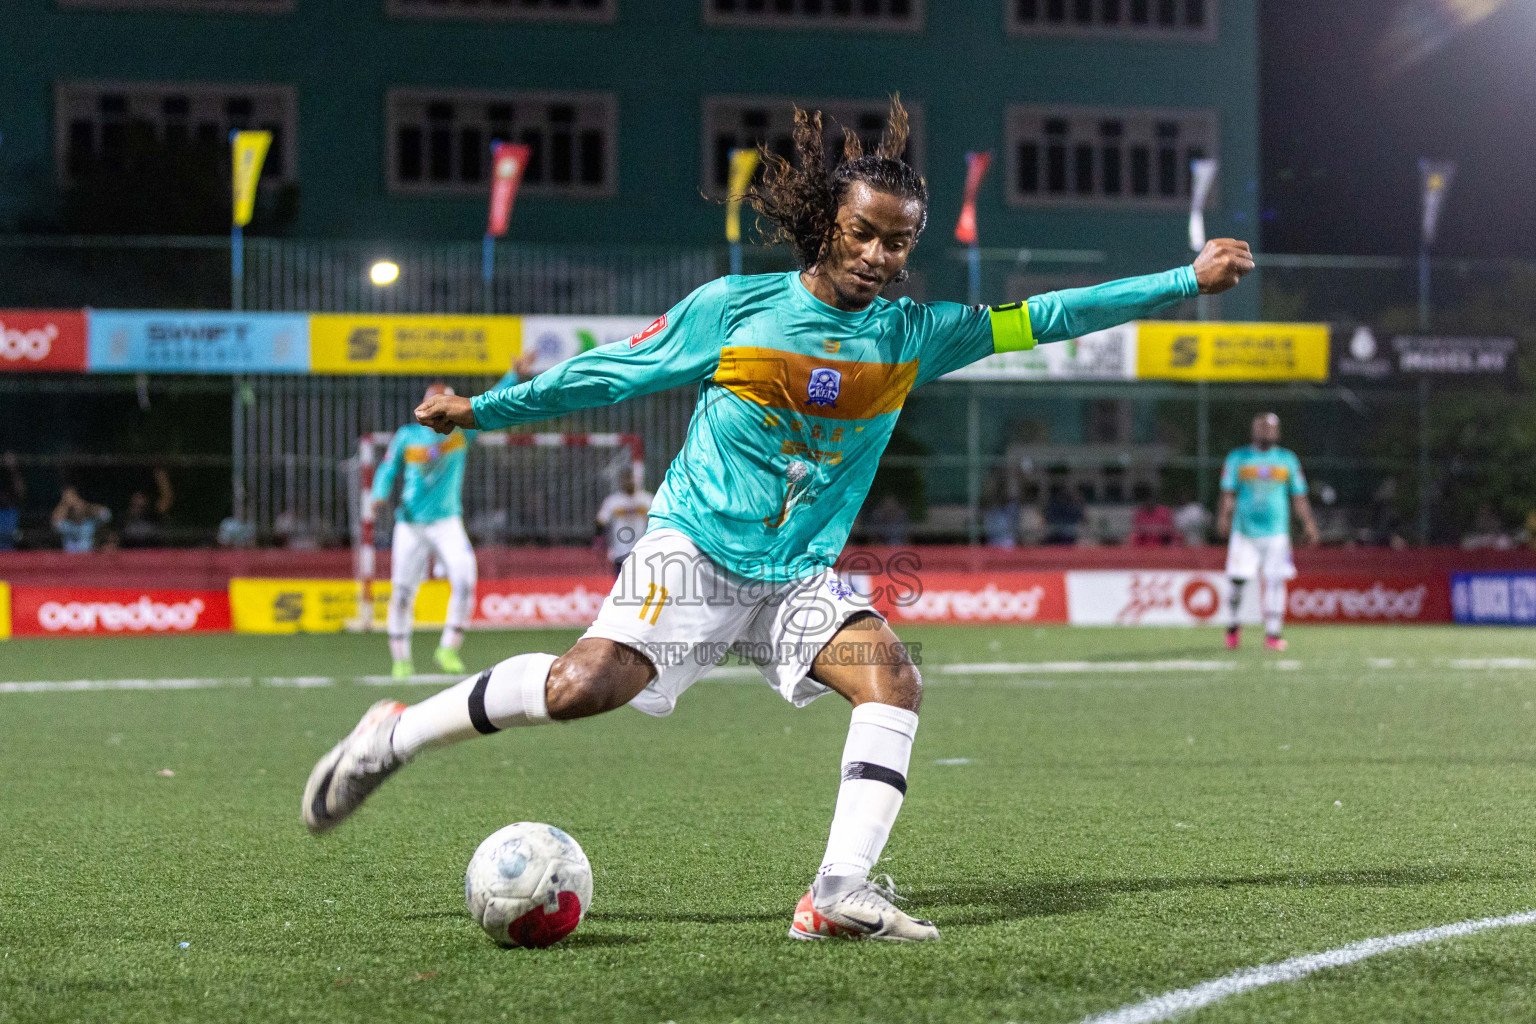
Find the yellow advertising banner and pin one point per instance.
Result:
(1169, 350)
(5, 611)
(431, 603)
(385, 343)
(319, 606)
(291, 606)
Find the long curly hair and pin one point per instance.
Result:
(800, 200)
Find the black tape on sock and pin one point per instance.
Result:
(477, 716)
(875, 773)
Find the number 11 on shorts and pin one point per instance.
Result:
(658, 595)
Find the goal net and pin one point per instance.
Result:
(542, 489)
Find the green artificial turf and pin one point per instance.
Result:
(1103, 837)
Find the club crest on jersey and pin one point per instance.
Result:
(824, 386)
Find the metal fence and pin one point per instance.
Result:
(296, 438)
(292, 433)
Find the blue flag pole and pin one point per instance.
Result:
(236, 268)
(488, 271)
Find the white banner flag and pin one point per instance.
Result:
(1436, 177)
(1202, 178)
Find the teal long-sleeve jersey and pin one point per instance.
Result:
(433, 468)
(797, 399)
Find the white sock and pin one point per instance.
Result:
(1235, 601)
(453, 638)
(400, 647)
(511, 694)
(875, 760)
(1274, 606)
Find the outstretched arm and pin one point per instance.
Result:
(682, 347)
(960, 335)
(1057, 316)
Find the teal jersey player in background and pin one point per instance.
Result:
(801, 378)
(1261, 484)
(429, 520)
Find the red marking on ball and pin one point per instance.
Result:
(537, 929)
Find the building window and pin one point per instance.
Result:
(441, 142)
(98, 125)
(207, 6)
(866, 15)
(1144, 19)
(1087, 156)
(526, 10)
(732, 122)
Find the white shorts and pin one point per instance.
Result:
(413, 544)
(1269, 557)
(685, 614)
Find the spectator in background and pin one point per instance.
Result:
(888, 522)
(1192, 521)
(1386, 527)
(1152, 522)
(622, 518)
(1487, 532)
(13, 491)
(1064, 516)
(75, 521)
(235, 532)
(1000, 518)
(141, 523)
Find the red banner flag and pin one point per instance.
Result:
(508, 160)
(976, 165)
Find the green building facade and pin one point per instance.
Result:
(384, 110)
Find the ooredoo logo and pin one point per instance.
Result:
(574, 607)
(989, 604)
(33, 345)
(1200, 598)
(138, 616)
(1375, 602)
(657, 326)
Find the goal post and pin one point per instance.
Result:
(518, 487)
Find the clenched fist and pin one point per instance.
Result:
(444, 412)
(1221, 264)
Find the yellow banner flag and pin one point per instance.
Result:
(250, 149)
(743, 163)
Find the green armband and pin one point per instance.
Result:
(1011, 331)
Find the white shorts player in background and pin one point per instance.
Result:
(430, 521)
(1260, 486)
(622, 518)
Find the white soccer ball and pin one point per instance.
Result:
(528, 884)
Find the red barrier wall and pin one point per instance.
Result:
(211, 569)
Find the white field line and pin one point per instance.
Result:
(739, 673)
(1009, 668)
(1183, 1000)
(724, 672)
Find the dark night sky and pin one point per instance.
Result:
(1341, 150)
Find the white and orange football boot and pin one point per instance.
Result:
(353, 768)
(865, 911)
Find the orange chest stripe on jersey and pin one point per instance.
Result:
(837, 389)
(417, 454)
(1276, 474)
